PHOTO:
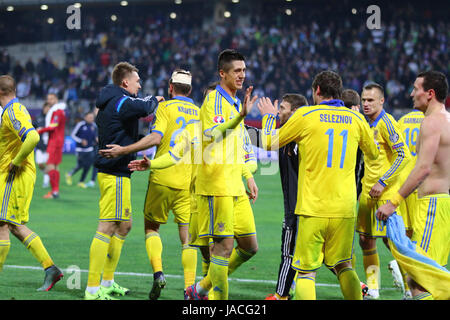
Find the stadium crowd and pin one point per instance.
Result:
(283, 51)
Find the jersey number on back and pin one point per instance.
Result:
(330, 134)
(411, 139)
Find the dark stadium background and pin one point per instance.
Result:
(285, 42)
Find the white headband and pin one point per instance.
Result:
(181, 77)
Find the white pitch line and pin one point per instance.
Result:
(175, 276)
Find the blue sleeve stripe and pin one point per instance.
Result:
(22, 131)
(389, 125)
(207, 132)
(121, 101)
(25, 134)
(157, 131)
(395, 166)
(174, 156)
(216, 110)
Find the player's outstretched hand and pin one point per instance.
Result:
(139, 165)
(385, 211)
(249, 101)
(114, 151)
(266, 106)
(159, 98)
(252, 191)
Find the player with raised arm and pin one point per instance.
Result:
(288, 164)
(218, 181)
(328, 135)
(117, 122)
(17, 179)
(431, 177)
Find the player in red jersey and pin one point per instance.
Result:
(55, 123)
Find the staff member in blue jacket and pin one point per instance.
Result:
(118, 123)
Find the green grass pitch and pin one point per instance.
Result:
(68, 224)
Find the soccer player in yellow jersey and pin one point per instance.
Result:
(381, 179)
(17, 178)
(169, 188)
(431, 175)
(328, 135)
(218, 181)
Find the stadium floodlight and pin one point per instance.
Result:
(288, 0)
(178, 1)
(173, 15)
(44, 7)
(235, 1)
(77, 5)
(288, 12)
(50, 20)
(123, 3)
(114, 17)
(9, 8)
(227, 14)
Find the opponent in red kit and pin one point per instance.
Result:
(55, 122)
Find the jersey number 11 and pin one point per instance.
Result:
(330, 134)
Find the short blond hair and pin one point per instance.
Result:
(121, 71)
(7, 85)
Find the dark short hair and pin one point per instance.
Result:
(374, 85)
(226, 57)
(210, 87)
(121, 71)
(437, 81)
(295, 100)
(7, 85)
(330, 84)
(351, 98)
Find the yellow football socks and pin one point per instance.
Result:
(114, 251)
(34, 244)
(153, 245)
(218, 271)
(350, 284)
(189, 262)
(237, 258)
(371, 263)
(4, 249)
(205, 266)
(97, 258)
(305, 288)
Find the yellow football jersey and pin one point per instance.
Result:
(172, 118)
(220, 173)
(393, 159)
(328, 136)
(410, 126)
(15, 125)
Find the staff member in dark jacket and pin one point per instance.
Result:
(288, 162)
(117, 122)
(85, 136)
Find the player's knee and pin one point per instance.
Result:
(366, 242)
